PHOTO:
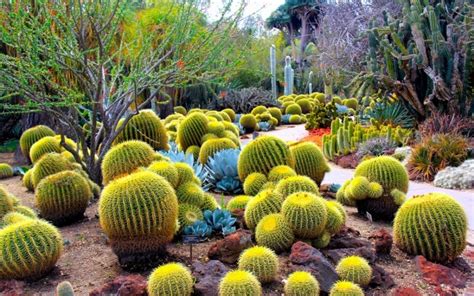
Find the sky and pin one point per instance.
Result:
(262, 7)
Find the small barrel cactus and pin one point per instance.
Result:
(145, 201)
(29, 249)
(276, 113)
(296, 184)
(209, 202)
(167, 170)
(385, 170)
(191, 130)
(259, 110)
(44, 146)
(280, 172)
(309, 161)
(354, 269)
(230, 113)
(263, 154)
(440, 240)
(306, 213)
(27, 181)
(188, 214)
(274, 232)
(295, 119)
(248, 122)
(172, 279)
(260, 261)
(322, 241)
(238, 202)
(336, 216)
(293, 109)
(264, 203)
(190, 193)
(211, 147)
(185, 173)
(254, 183)
(50, 164)
(63, 197)
(238, 283)
(125, 158)
(6, 203)
(64, 289)
(6, 171)
(346, 288)
(225, 116)
(216, 128)
(180, 110)
(301, 283)
(31, 136)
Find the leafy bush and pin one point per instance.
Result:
(375, 147)
(244, 100)
(321, 116)
(222, 175)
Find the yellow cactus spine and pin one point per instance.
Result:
(172, 279)
(261, 262)
(238, 283)
(301, 283)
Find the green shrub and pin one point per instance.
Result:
(296, 184)
(238, 202)
(249, 122)
(51, 163)
(309, 161)
(322, 116)
(301, 283)
(211, 147)
(293, 109)
(442, 235)
(31, 136)
(253, 183)
(29, 249)
(44, 146)
(167, 170)
(172, 279)
(280, 172)
(345, 288)
(262, 154)
(190, 193)
(180, 110)
(239, 283)
(354, 269)
(264, 203)
(274, 232)
(63, 197)
(125, 158)
(144, 200)
(6, 171)
(191, 130)
(261, 262)
(306, 213)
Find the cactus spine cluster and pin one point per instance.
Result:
(238, 202)
(50, 164)
(442, 238)
(188, 214)
(280, 172)
(190, 193)
(27, 180)
(31, 136)
(238, 283)
(274, 232)
(191, 130)
(264, 203)
(301, 283)
(346, 288)
(211, 147)
(354, 269)
(172, 279)
(260, 261)
(296, 184)
(44, 146)
(310, 161)
(253, 183)
(167, 170)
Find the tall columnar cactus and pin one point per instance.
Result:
(63, 197)
(29, 249)
(273, 70)
(262, 154)
(264, 203)
(191, 130)
(138, 213)
(354, 269)
(296, 184)
(301, 283)
(43, 146)
(167, 170)
(147, 127)
(31, 136)
(239, 282)
(310, 161)
(125, 158)
(306, 213)
(211, 147)
(51, 163)
(440, 240)
(260, 261)
(6, 171)
(172, 279)
(274, 232)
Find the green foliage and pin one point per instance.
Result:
(167, 170)
(301, 283)
(238, 202)
(43, 146)
(64, 289)
(296, 184)
(6, 171)
(31, 136)
(249, 122)
(211, 147)
(190, 193)
(261, 262)
(63, 197)
(280, 172)
(306, 213)
(440, 240)
(293, 109)
(191, 130)
(310, 161)
(51, 163)
(147, 127)
(29, 249)
(125, 158)
(239, 282)
(274, 232)
(264, 203)
(172, 279)
(346, 288)
(321, 116)
(354, 269)
(144, 200)
(262, 154)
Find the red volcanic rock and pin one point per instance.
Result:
(437, 274)
(405, 291)
(382, 241)
(129, 285)
(228, 250)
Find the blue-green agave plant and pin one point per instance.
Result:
(222, 175)
(220, 221)
(174, 155)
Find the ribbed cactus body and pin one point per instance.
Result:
(306, 213)
(239, 283)
(238, 202)
(354, 269)
(274, 232)
(280, 172)
(185, 173)
(125, 158)
(229, 126)
(293, 109)
(230, 113)
(301, 283)
(6, 203)
(258, 110)
(296, 184)
(167, 170)
(433, 225)
(261, 262)
(322, 241)
(27, 180)
(309, 161)
(253, 183)
(305, 105)
(336, 216)
(249, 122)
(262, 154)
(146, 127)
(188, 214)
(6, 171)
(217, 128)
(63, 197)
(180, 110)
(209, 202)
(191, 130)
(190, 193)
(172, 279)
(31, 136)
(138, 213)
(29, 249)
(276, 113)
(44, 146)
(385, 170)
(346, 288)
(50, 164)
(264, 203)
(211, 147)
(26, 211)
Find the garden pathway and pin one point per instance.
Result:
(339, 175)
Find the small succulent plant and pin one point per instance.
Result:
(375, 147)
(285, 119)
(222, 175)
(199, 228)
(265, 126)
(220, 221)
(174, 155)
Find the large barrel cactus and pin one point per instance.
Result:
(43, 146)
(49, 164)
(264, 203)
(29, 248)
(433, 225)
(296, 184)
(310, 161)
(146, 127)
(63, 197)
(125, 158)
(385, 170)
(31, 136)
(191, 130)
(263, 154)
(138, 213)
(274, 232)
(212, 146)
(172, 279)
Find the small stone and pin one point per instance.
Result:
(208, 276)
(437, 274)
(130, 285)
(381, 278)
(382, 241)
(336, 255)
(228, 250)
(348, 238)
